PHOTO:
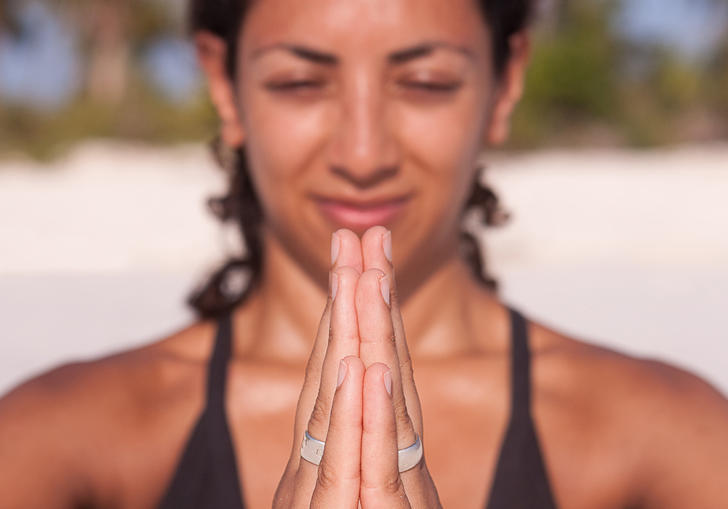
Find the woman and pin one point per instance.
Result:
(363, 118)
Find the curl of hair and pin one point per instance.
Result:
(239, 204)
(484, 204)
(218, 293)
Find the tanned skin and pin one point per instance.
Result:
(616, 432)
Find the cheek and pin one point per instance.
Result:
(282, 140)
(444, 136)
(444, 141)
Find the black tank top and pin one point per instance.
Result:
(207, 474)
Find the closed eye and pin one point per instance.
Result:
(294, 85)
(431, 86)
(427, 86)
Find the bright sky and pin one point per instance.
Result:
(693, 26)
(42, 68)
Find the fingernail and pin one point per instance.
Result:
(334, 284)
(387, 245)
(335, 244)
(342, 373)
(384, 287)
(388, 381)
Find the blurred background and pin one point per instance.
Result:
(616, 176)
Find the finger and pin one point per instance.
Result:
(381, 485)
(309, 389)
(338, 480)
(345, 251)
(344, 342)
(376, 342)
(377, 254)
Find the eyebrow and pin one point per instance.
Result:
(397, 57)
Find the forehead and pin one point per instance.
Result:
(363, 26)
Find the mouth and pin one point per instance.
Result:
(359, 216)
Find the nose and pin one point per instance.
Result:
(362, 148)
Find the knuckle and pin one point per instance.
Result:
(402, 419)
(406, 368)
(326, 478)
(391, 485)
(312, 374)
(367, 339)
(394, 293)
(346, 272)
(374, 274)
(319, 414)
(346, 337)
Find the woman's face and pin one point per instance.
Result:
(343, 105)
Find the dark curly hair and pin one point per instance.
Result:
(223, 291)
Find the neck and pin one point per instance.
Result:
(280, 319)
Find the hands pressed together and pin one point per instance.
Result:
(359, 394)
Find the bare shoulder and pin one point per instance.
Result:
(645, 386)
(55, 424)
(672, 425)
(113, 380)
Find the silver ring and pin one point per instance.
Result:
(410, 456)
(312, 450)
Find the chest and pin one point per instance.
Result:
(461, 446)
(466, 411)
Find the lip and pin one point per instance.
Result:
(360, 215)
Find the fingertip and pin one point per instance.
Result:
(354, 364)
(370, 278)
(384, 289)
(350, 368)
(387, 245)
(374, 287)
(373, 234)
(343, 369)
(377, 248)
(344, 280)
(349, 253)
(346, 272)
(345, 231)
(378, 388)
(375, 374)
(333, 284)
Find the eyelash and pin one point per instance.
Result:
(432, 87)
(442, 88)
(292, 85)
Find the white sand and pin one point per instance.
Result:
(97, 251)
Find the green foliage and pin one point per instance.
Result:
(139, 112)
(585, 85)
(718, 80)
(676, 84)
(144, 116)
(573, 74)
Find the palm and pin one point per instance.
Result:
(359, 394)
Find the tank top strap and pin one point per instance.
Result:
(520, 366)
(217, 366)
(521, 479)
(207, 472)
